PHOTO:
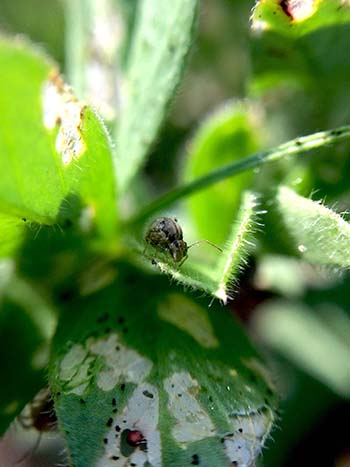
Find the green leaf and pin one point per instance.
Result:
(181, 378)
(298, 18)
(26, 324)
(227, 136)
(318, 342)
(163, 34)
(302, 43)
(320, 235)
(218, 279)
(11, 234)
(52, 146)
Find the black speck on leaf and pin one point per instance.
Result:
(195, 459)
(109, 422)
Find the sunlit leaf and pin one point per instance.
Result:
(293, 18)
(302, 43)
(11, 234)
(52, 146)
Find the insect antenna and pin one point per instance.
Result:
(205, 241)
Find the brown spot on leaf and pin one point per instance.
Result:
(61, 107)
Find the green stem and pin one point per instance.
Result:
(78, 23)
(291, 148)
(86, 51)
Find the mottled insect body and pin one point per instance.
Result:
(165, 235)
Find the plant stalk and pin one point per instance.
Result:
(291, 148)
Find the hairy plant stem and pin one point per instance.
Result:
(291, 148)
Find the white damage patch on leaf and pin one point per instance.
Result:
(120, 363)
(140, 416)
(244, 444)
(299, 10)
(192, 422)
(123, 364)
(60, 107)
(74, 369)
(189, 317)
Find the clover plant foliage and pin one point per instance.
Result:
(135, 346)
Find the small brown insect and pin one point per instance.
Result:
(165, 235)
(40, 415)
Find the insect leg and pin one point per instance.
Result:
(182, 261)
